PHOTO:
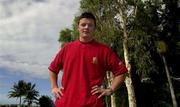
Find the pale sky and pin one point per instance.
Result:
(29, 30)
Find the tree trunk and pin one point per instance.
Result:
(123, 17)
(170, 83)
(113, 100)
(110, 79)
(128, 80)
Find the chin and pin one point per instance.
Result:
(85, 36)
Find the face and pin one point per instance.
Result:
(86, 27)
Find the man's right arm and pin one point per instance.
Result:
(56, 91)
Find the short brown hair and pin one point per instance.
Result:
(87, 15)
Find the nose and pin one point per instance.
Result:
(86, 26)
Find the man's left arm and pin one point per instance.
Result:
(119, 71)
(117, 81)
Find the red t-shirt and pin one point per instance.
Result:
(84, 65)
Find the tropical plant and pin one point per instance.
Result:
(18, 90)
(31, 94)
(24, 90)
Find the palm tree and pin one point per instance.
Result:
(31, 94)
(18, 90)
(162, 49)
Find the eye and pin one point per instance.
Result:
(86, 24)
(83, 24)
(90, 25)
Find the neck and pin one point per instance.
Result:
(85, 40)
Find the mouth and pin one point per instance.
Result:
(85, 32)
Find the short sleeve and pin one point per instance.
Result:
(57, 63)
(115, 64)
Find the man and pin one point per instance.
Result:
(85, 62)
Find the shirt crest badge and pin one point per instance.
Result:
(94, 60)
